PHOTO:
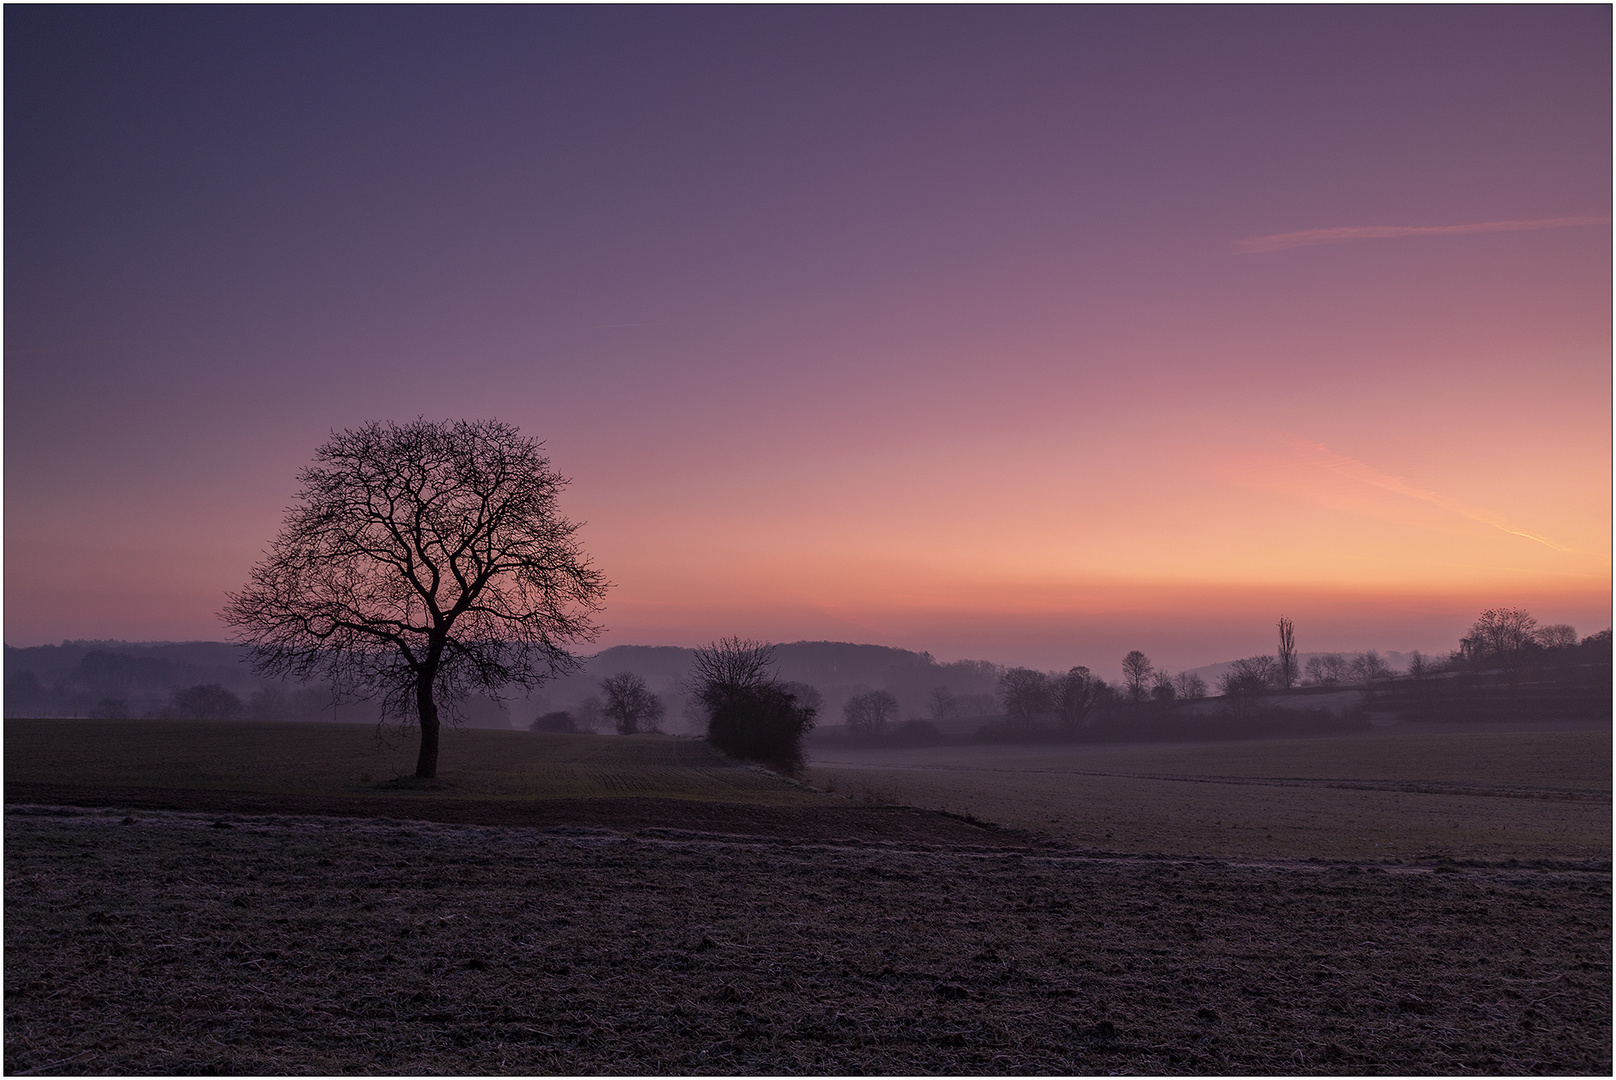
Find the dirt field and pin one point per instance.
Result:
(174, 944)
(386, 928)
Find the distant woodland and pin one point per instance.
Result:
(875, 695)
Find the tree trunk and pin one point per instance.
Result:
(426, 766)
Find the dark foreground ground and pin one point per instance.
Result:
(655, 939)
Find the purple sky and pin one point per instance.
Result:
(949, 328)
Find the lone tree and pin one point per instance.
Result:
(867, 714)
(630, 704)
(422, 562)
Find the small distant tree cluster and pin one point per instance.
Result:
(1248, 678)
(558, 721)
(631, 705)
(207, 702)
(867, 714)
(749, 714)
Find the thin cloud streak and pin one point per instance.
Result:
(1259, 245)
(1356, 470)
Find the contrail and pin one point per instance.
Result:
(1354, 469)
(1258, 245)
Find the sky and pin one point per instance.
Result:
(1033, 335)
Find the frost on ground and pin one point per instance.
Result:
(185, 943)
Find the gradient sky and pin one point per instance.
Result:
(1032, 335)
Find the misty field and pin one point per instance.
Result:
(206, 899)
(1464, 793)
(351, 759)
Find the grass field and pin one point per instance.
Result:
(1398, 794)
(348, 759)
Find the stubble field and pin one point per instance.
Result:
(809, 934)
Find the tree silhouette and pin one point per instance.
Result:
(630, 704)
(422, 562)
(1136, 671)
(1024, 693)
(1073, 695)
(749, 714)
(1288, 672)
(1502, 636)
(867, 714)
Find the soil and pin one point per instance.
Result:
(224, 933)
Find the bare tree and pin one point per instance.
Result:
(1328, 669)
(630, 704)
(1368, 669)
(867, 714)
(423, 562)
(1162, 689)
(1073, 696)
(1558, 636)
(1024, 693)
(1136, 671)
(943, 703)
(1288, 672)
(1248, 678)
(1190, 686)
(730, 667)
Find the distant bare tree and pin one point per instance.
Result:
(1162, 689)
(943, 703)
(1419, 666)
(1558, 636)
(1136, 672)
(630, 704)
(1288, 671)
(1073, 696)
(1329, 669)
(1024, 693)
(867, 714)
(729, 667)
(1190, 686)
(1248, 678)
(1368, 669)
